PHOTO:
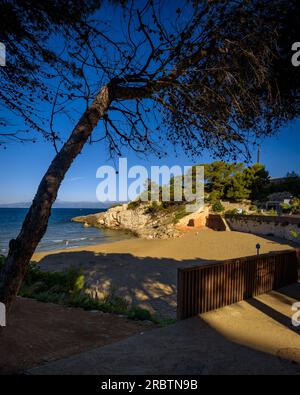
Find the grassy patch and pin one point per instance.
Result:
(67, 288)
(182, 212)
(163, 321)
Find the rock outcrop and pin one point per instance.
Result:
(136, 220)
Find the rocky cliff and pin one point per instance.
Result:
(139, 220)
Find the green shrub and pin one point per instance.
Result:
(285, 207)
(86, 302)
(253, 207)
(133, 204)
(295, 205)
(217, 207)
(214, 196)
(115, 303)
(294, 233)
(75, 280)
(181, 213)
(153, 208)
(163, 320)
(137, 313)
(166, 205)
(67, 288)
(232, 211)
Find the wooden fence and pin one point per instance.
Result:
(208, 287)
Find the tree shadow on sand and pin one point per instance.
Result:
(148, 282)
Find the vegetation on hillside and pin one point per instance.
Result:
(292, 208)
(233, 182)
(68, 288)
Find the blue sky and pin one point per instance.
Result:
(22, 165)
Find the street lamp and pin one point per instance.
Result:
(257, 248)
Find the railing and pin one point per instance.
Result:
(208, 287)
(277, 219)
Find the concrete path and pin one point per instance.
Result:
(193, 346)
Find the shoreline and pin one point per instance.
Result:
(196, 244)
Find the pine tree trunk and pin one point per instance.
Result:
(35, 224)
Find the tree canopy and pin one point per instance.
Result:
(234, 181)
(199, 74)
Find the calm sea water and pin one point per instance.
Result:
(61, 232)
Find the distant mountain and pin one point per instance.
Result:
(61, 204)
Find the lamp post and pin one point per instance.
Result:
(257, 248)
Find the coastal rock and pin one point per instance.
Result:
(135, 220)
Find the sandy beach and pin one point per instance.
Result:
(202, 244)
(145, 271)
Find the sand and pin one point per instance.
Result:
(203, 244)
(145, 271)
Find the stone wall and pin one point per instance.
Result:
(194, 220)
(285, 227)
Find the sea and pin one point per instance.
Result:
(61, 233)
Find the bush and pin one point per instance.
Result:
(153, 208)
(233, 211)
(180, 214)
(295, 205)
(214, 196)
(294, 233)
(137, 313)
(51, 286)
(67, 288)
(133, 204)
(285, 208)
(115, 303)
(217, 207)
(253, 207)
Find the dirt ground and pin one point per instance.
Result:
(38, 333)
(254, 336)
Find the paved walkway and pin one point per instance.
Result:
(249, 337)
